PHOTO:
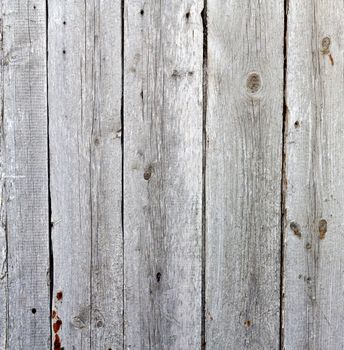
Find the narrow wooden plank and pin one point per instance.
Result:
(24, 174)
(163, 174)
(3, 238)
(243, 174)
(86, 162)
(314, 280)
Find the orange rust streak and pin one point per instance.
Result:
(59, 295)
(57, 325)
(57, 342)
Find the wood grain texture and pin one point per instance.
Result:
(163, 174)
(3, 238)
(314, 280)
(24, 237)
(86, 166)
(243, 174)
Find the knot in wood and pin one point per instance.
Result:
(325, 44)
(253, 83)
(295, 227)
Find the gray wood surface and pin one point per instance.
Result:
(314, 260)
(163, 174)
(153, 154)
(243, 174)
(85, 173)
(24, 233)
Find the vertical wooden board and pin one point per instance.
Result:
(3, 238)
(314, 280)
(85, 168)
(106, 179)
(24, 174)
(163, 173)
(243, 174)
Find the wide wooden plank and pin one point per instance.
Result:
(163, 173)
(86, 167)
(243, 174)
(24, 237)
(314, 279)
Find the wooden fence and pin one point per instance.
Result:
(172, 174)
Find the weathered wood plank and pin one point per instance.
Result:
(86, 162)
(314, 280)
(24, 267)
(163, 174)
(243, 174)
(3, 238)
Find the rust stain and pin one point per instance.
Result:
(59, 295)
(57, 342)
(56, 328)
(57, 325)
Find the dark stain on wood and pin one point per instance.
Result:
(247, 323)
(148, 173)
(57, 325)
(331, 59)
(59, 295)
(57, 342)
(295, 227)
(253, 83)
(322, 228)
(56, 328)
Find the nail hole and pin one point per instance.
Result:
(33, 310)
(64, 23)
(34, 7)
(297, 124)
(158, 277)
(142, 12)
(64, 52)
(187, 15)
